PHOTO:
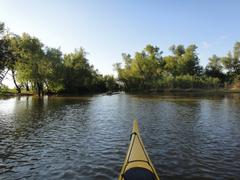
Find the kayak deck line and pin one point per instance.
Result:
(138, 160)
(137, 164)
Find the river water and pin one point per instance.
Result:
(187, 137)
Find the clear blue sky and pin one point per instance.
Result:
(107, 28)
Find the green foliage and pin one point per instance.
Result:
(4, 48)
(1, 28)
(53, 77)
(149, 70)
(79, 75)
(177, 50)
(48, 70)
(45, 69)
(183, 61)
(184, 81)
(215, 64)
(31, 65)
(143, 70)
(187, 82)
(8, 54)
(167, 81)
(215, 69)
(4, 89)
(171, 65)
(231, 62)
(110, 83)
(189, 62)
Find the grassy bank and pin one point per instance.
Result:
(6, 92)
(187, 91)
(12, 93)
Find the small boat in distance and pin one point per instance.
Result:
(137, 164)
(109, 93)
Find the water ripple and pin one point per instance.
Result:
(87, 137)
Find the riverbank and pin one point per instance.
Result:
(187, 91)
(12, 94)
(151, 91)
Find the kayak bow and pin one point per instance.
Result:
(137, 164)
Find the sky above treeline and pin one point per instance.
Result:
(108, 28)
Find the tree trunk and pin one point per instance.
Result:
(39, 89)
(27, 87)
(18, 88)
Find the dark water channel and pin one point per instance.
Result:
(187, 137)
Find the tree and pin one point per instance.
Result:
(236, 58)
(110, 83)
(177, 50)
(183, 61)
(79, 75)
(3, 52)
(6, 55)
(171, 65)
(231, 62)
(31, 67)
(189, 62)
(214, 68)
(141, 71)
(13, 57)
(53, 77)
(2, 47)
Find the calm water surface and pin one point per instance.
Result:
(187, 137)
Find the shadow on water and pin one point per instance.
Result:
(187, 136)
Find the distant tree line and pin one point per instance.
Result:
(150, 70)
(43, 69)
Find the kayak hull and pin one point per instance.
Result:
(137, 164)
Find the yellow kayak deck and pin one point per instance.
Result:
(137, 164)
